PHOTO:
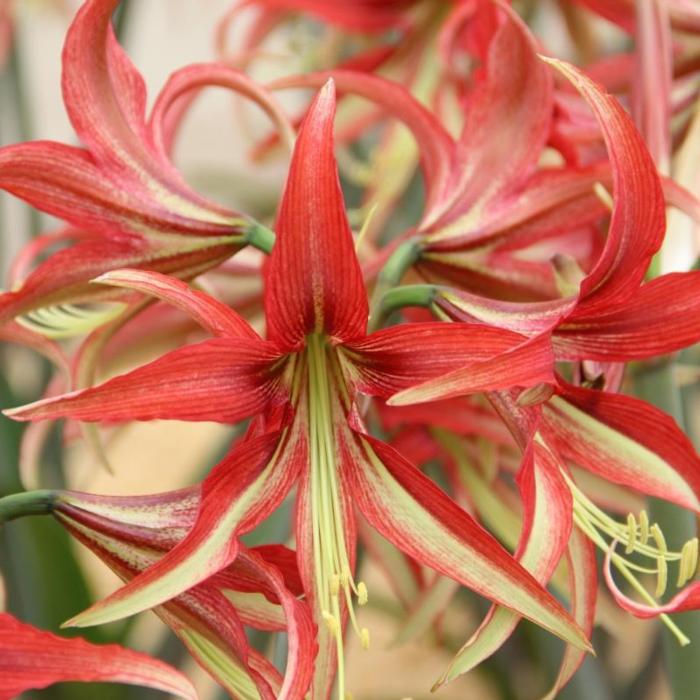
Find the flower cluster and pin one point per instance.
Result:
(474, 312)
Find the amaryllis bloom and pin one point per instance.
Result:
(120, 192)
(259, 589)
(302, 384)
(31, 659)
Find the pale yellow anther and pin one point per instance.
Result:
(662, 577)
(362, 594)
(632, 533)
(364, 638)
(335, 585)
(655, 532)
(331, 622)
(643, 527)
(689, 561)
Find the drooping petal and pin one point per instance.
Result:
(314, 282)
(219, 319)
(527, 364)
(402, 356)
(545, 533)
(637, 223)
(241, 491)
(32, 659)
(410, 511)
(222, 379)
(625, 440)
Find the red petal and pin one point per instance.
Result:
(662, 316)
(402, 356)
(216, 317)
(314, 282)
(220, 380)
(638, 219)
(33, 659)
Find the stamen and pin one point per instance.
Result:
(364, 638)
(643, 527)
(632, 533)
(659, 538)
(362, 595)
(603, 195)
(662, 580)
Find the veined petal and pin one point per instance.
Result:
(219, 319)
(410, 511)
(241, 491)
(638, 219)
(222, 379)
(402, 356)
(662, 316)
(32, 659)
(513, 98)
(583, 584)
(545, 533)
(527, 364)
(625, 440)
(314, 282)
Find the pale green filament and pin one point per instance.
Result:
(637, 536)
(332, 572)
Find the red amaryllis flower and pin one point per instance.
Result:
(259, 589)
(31, 659)
(302, 382)
(121, 187)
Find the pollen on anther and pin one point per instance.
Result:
(362, 594)
(364, 638)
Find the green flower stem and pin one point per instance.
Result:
(410, 295)
(403, 258)
(18, 505)
(260, 237)
(657, 386)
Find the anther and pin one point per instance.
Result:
(655, 532)
(603, 195)
(689, 561)
(632, 533)
(362, 594)
(331, 622)
(335, 585)
(643, 527)
(662, 576)
(364, 638)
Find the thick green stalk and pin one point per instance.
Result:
(657, 385)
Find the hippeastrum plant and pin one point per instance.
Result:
(301, 384)
(127, 205)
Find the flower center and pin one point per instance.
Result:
(334, 582)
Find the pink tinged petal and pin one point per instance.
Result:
(638, 218)
(222, 380)
(546, 529)
(314, 282)
(241, 491)
(399, 357)
(527, 364)
(32, 659)
(626, 441)
(512, 97)
(410, 511)
(213, 315)
(436, 146)
(687, 599)
(662, 316)
(583, 584)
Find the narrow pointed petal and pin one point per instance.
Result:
(528, 364)
(402, 356)
(637, 224)
(583, 584)
(663, 316)
(545, 533)
(314, 282)
(625, 440)
(32, 659)
(223, 380)
(241, 491)
(219, 319)
(410, 511)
